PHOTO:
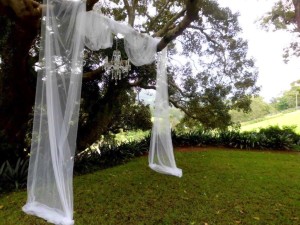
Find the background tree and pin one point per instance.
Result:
(285, 15)
(288, 99)
(218, 76)
(259, 109)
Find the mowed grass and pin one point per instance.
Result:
(217, 187)
(287, 119)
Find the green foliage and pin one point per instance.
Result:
(280, 138)
(258, 109)
(188, 124)
(226, 78)
(288, 98)
(135, 116)
(129, 136)
(280, 17)
(108, 155)
(198, 137)
(273, 138)
(10, 152)
(2, 180)
(13, 175)
(283, 16)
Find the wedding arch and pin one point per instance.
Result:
(66, 29)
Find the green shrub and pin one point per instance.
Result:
(245, 140)
(2, 170)
(274, 138)
(198, 137)
(109, 155)
(280, 138)
(14, 176)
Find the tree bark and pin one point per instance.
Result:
(18, 90)
(105, 110)
(297, 13)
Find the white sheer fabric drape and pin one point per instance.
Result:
(50, 176)
(141, 50)
(161, 156)
(66, 27)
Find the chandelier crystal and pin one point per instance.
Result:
(117, 66)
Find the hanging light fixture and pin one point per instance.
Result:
(117, 66)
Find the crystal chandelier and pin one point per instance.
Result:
(117, 66)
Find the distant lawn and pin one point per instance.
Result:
(217, 187)
(287, 119)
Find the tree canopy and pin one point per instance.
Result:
(285, 15)
(213, 75)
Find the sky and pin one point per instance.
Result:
(265, 47)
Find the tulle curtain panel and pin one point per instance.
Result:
(66, 29)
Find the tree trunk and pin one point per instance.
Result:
(297, 13)
(99, 123)
(17, 92)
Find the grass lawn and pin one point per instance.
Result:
(217, 187)
(287, 119)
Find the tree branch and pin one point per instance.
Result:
(90, 4)
(180, 91)
(148, 87)
(192, 9)
(169, 23)
(93, 74)
(154, 19)
(184, 109)
(130, 11)
(297, 13)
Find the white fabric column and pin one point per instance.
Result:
(50, 176)
(161, 156)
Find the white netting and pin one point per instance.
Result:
(50, 176)
(140, 48)
(97, 32)
(65, 28)
(161, 156)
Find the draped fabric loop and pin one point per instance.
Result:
(140, 48)
(66, 28)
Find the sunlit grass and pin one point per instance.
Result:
(217, 187)
(287, 119)
(131, 136)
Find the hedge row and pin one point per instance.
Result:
(272, 138)
(108, 155)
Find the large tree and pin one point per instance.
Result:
(216, 77)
